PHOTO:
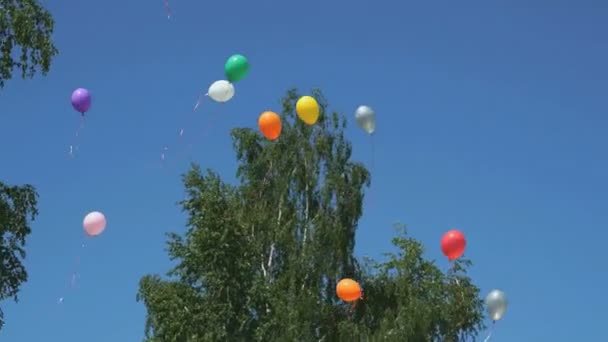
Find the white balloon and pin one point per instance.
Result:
(496, 304)
(221, 91)
(366, 118)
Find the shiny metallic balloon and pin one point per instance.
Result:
(496, 304)
(366, 118)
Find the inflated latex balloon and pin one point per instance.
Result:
(270, 125)
(236, 68)
(366, 118)
(94, 223)
(496, 304)
(81, 100)
(453, 244)
(221, 91)
(348, 290)
(308, 109)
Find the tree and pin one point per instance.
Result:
(260, 260)
(17, 207)
(25, 39)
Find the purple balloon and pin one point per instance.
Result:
(81, 100)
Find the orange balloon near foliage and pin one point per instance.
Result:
(270, 125)
(348, 290)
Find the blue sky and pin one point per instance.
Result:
(492, 119)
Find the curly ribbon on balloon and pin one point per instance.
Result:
(372, 193)
(167, 9)
(490, 332)
(75, 271)
(165, 149)
(203, 132)
(219, 91)
(74, 145)
(188, 141)
(199, 101)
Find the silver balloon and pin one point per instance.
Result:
(366, 118)
(496, 304)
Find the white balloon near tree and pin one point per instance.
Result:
(366, 118)
(221, 91)
(496, 304)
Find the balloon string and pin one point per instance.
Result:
(168, 9)
(490, 333)
(372, 168)
(199, 101)
(184, 151)
(452, 269)
(205, 130)
(74, 145)
(354, 306)
(352, 310)
(373, 152)
(182, 130)
(75, 274)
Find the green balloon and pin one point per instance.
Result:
(236, 68)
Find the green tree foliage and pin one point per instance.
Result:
(17, 208)
(25, 39)
(260, 260)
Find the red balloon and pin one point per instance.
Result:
(453, 244)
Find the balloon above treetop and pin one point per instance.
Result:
(236, 68)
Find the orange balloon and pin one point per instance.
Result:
(348, 290)
(270, 125)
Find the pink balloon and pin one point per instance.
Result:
(94, 223)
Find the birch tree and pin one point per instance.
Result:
(260, 259)
(18, 206)
(26, 43)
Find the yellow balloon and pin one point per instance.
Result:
(308, 109)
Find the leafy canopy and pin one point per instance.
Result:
(25, 39)
(17, 207)
(260, 260)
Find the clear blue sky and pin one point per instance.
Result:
(492, 118)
